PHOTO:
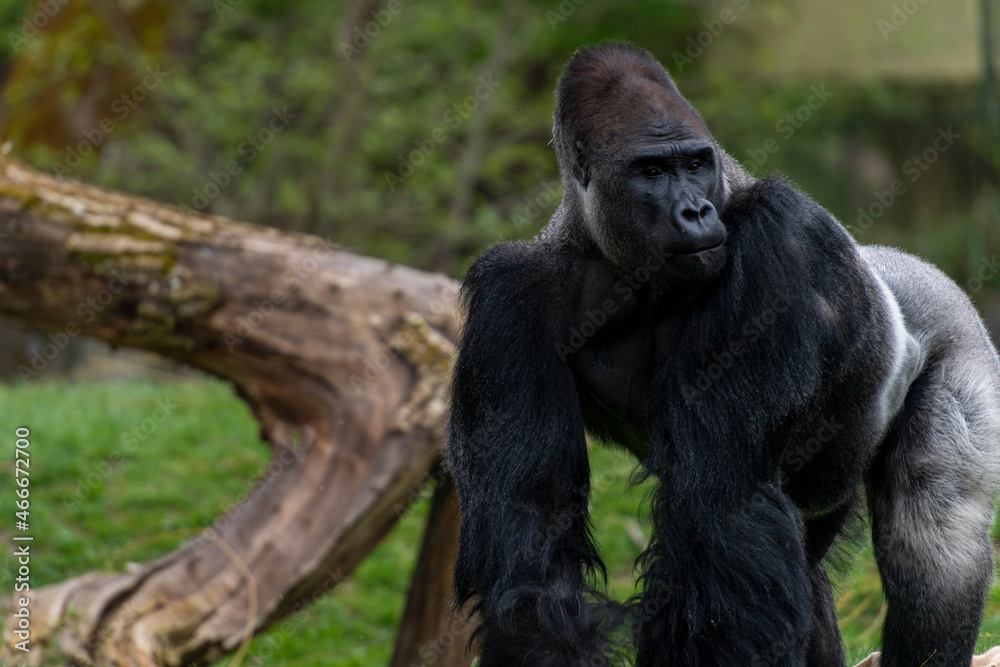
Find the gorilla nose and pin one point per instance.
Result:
(699, 225)
(693, 215)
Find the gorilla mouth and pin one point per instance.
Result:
(700, 252)
(705, 251)
(699, 264)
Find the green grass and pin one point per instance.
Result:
(114, 480)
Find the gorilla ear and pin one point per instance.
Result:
(581, 164)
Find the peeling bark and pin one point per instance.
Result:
(344, 360)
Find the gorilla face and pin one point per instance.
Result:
(657, 198)
(669, 186)
(643, 167)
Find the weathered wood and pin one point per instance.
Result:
(343, 359)
(429, 633)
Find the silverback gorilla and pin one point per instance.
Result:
(770, 374)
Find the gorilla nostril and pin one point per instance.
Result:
(691, 215)
(705, 210)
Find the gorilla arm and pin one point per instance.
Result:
(517, 446)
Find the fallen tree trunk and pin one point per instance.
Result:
(343, 359)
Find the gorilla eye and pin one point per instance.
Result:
(694, 166)
(651, 172)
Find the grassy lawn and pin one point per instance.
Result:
(125, 472)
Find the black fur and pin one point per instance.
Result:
(732, 335)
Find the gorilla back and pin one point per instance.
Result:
(769, 374)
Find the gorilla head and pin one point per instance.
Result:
(639, 165)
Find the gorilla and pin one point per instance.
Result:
(773, 377)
